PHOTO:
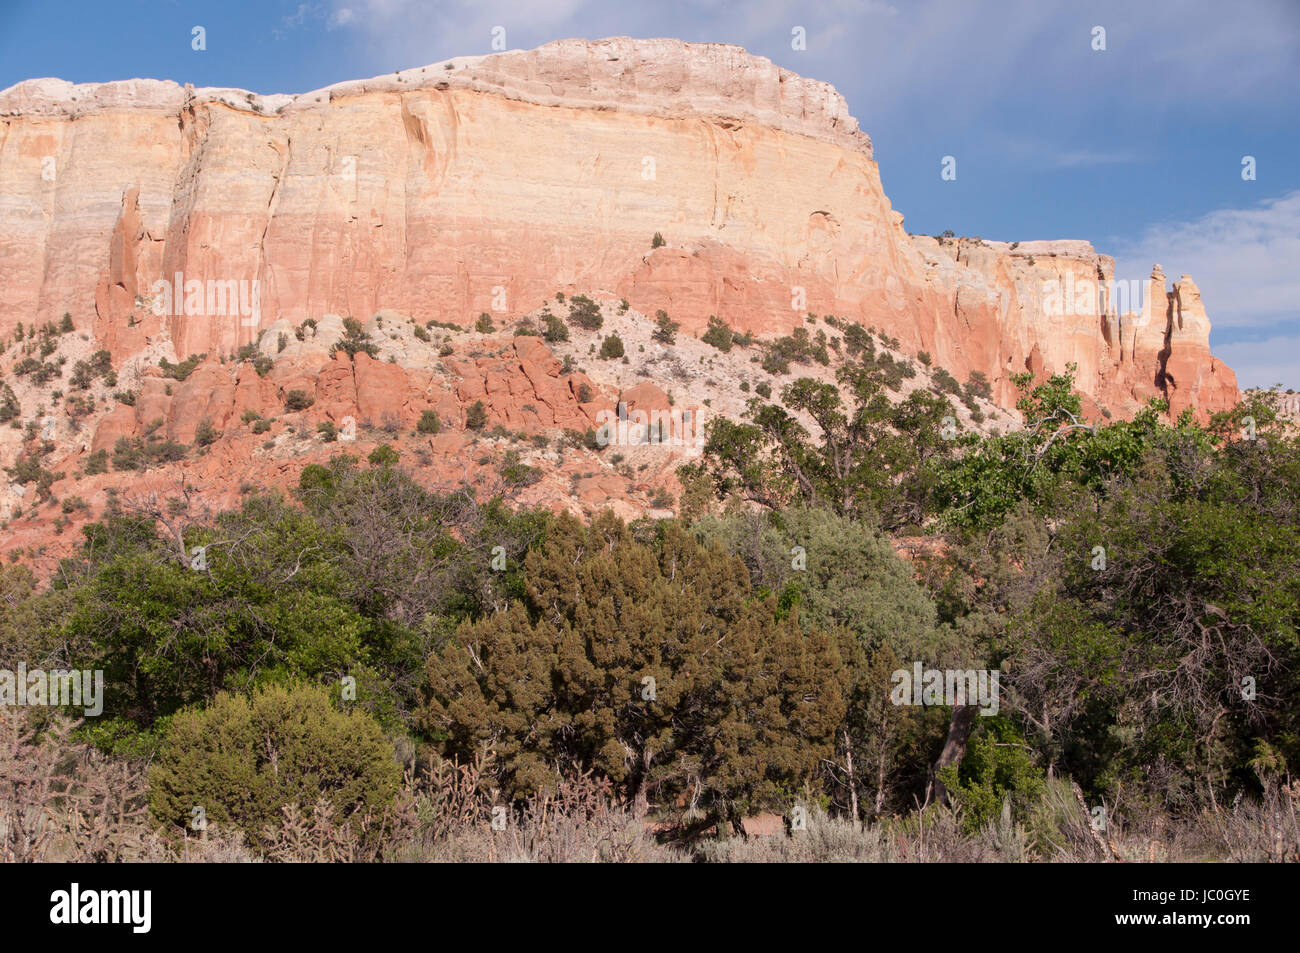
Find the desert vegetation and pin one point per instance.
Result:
(369, 670)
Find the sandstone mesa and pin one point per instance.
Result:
(434, 194)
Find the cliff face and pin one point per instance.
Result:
(490, 183)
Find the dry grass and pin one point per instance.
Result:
(63, 801)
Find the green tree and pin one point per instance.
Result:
(585, 313)
(839, 572)
(556, 331)
(665, 331)
(652, 662)
(173, 618)
(870, 455)
(355, 339)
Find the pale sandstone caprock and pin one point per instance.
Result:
(439, 192)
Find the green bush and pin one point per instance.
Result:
(429, 422)
(945, 383)
(206, 434)
(476, 416)
(243, 759)
(611, 347)
(997, 768)
(977, 385)
(298, 400)
(556, 331)
(383, 456)
(182, 370)
(97, 462)
(484, 324)
(718, 334)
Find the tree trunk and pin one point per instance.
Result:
(853, 782)
(641, 799)
(954, 749)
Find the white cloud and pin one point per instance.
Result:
(1263, 363)
(1244, 260)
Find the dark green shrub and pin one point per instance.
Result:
(977, 385)
(182, 370)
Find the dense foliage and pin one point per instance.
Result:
(1135, 583)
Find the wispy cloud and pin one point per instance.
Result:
(1085, 158)
(305, 12)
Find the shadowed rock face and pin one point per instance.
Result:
(489, 183)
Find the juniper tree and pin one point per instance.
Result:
(652, 661)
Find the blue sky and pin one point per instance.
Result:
(1137, 148)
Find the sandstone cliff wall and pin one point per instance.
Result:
(496, 181)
